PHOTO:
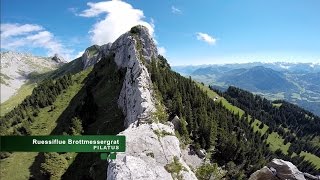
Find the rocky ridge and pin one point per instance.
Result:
(135, 99)
(150, 146)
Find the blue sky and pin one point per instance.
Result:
(187, 32)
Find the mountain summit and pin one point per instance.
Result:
(258, 78)
(133, 51)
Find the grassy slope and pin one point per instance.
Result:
(225, 103)
(312, 158)
(274, 139)
(13, 101)
(277, 142)
(256, 123)
(109, 121)
(43, 125)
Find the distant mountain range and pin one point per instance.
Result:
(18, 69)
(298, 83)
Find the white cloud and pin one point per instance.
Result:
(162, 50)
(8, 30)
(175, 10)
(32, 36)
(119, 18)
(206, 38)
(79, 54)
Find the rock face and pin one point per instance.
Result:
(147, 153)
(191, 158)
(58, 59)
(16, 67)
(176, 122)
(93, 54)
(264, 173)
(279, 169)
(135, 98)
(149, 146)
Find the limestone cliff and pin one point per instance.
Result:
(150, 146)
(93, 54)
(135, 98)
(130, 51)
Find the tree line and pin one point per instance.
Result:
(294, 124)
(18, 120)
(209, 125)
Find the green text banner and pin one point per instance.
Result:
(88, 143)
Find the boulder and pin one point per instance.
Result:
(149, 148)
(279, 169)
(286, 170)
(201, 153)
(263, 174)
(176, 122)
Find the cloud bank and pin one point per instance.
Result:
(119, 17)
(16, 36)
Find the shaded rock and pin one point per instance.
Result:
(280, 169)
(57, 58)
(311, 177)
(286, 170)
(191, 158)
(93, 54)
(176, 122)
(201, 153)
(263, 174)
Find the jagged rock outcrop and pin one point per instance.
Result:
(176, 122)
(16, 68)
(190, 156)
(262, 174)
(93, 54)
(149, 146)
(130, 51)
(58, 59)
(280, 169)
(135, 98)
(285, 169)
